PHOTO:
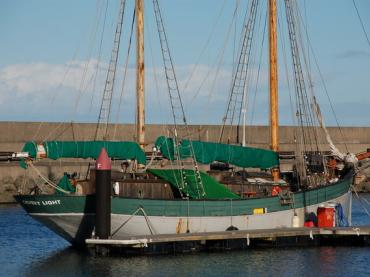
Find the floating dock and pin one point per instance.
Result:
(231, 240)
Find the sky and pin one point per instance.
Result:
(55, 54)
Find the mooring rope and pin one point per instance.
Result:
(154, 155)
(140, 209)
(49, 182)
(360, 200)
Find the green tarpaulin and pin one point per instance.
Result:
(31, 148)
(208, 152)
(65, 184)
(212, 189)
(87, 149)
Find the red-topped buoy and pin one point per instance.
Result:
(103, 195)
(103, 162)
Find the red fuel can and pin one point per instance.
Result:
(325, 217)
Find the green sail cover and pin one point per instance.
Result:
(65, 184)
(166, 146)
(208, 152)
(87, 149)
(212, 188)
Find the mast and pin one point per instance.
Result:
(140, 81)
(244, 105)
(274, 119)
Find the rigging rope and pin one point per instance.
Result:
(251, 78)
(326, 91)
(177, 107)
(99, 55)
(124, 74)
(304, 113)
(361, 22)
(69, 65)
(360, 200)
(307, 137)
(306, 62)
(106, 102)
(220, 63)
(83, 83)
(237, 92)
(205, 46)
(249, 140)
(155, 77)
(49, 182)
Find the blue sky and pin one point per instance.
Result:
(47, 45)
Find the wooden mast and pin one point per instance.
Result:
(274, 119)
(140, 81)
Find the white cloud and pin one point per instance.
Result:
(43, 77)
(34, 87)
(63, 92)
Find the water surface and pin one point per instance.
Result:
(29, 249)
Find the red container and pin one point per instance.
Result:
(325, 217)
(309, 224)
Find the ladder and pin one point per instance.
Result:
(177, 109)
(105, 107)
(239, 83)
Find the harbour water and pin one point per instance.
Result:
(29, 249)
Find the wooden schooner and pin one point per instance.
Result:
(182, 198)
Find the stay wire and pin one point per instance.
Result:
(238, 79)
(327, 92)
(250, 74)
(99, 55)
(124, 73)
(222, 57)
(250, 136)
(311, 118)
(233, 101)
(81, 89)
(68, 68)
(156, 82)
(214, 25)
(361, 22)
(234, 69)
(305, 114)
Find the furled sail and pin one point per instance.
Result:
(85, 149)
(208, 152)
(349, 158)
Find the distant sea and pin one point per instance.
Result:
(29, 249)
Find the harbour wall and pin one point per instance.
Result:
(13, 135)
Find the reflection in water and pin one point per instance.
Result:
(29, 249)
(326, 261)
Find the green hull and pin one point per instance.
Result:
(55, 204)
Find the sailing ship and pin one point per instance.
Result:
(148, 198)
